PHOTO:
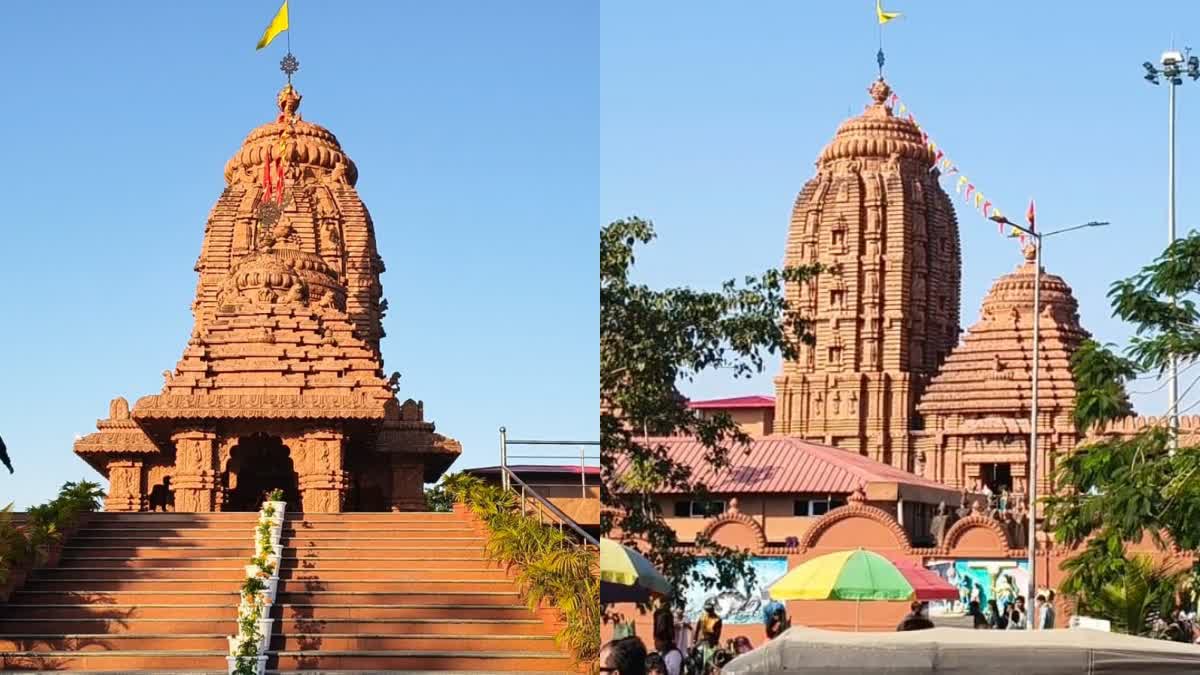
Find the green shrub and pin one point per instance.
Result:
(550, 567)
(44, 525)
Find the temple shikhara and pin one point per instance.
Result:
(895, 430)
(280, 386)
(281, 383)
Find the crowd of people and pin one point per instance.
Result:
(699, 651)
(680, 651)
(1011, 616)
(1179, 626)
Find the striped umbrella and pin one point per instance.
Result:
(846, 575)
(626, 576)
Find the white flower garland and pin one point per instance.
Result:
(248, 648)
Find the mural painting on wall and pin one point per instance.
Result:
(742, 605)
(982, 580)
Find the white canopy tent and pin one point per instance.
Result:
(966, 651)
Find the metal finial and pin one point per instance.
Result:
(289, 65)
(879, 60)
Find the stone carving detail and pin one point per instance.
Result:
(896, 207)
(940, 524)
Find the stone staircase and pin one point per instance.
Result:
(395, 592)
(132, 591)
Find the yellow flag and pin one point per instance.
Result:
(277, 26)
(884, 17)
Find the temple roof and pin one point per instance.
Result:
(303, 143)
(782, 464)
(877, 133)
(988, 374)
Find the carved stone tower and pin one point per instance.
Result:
(976, 410)
(281, 384)
(886, 305)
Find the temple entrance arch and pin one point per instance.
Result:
(258, 464)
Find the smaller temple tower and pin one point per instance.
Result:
(976, 410)
(885, 308)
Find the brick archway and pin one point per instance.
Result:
(737, 530)
(885, 527)
(977, 535)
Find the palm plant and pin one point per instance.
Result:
(1143, 587)
(550, 567)
(14, 544)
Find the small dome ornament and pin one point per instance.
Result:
(1030, 252)
(879, 91)
(288, 101)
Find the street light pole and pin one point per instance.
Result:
(1173, 63)
(1173, 386)
(1031, 473)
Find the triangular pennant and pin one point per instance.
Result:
(978, 199)
(986, 206)
(970, 189)
(962, 180)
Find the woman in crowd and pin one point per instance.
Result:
(995, 618)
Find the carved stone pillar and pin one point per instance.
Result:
(195, 479)
(408, 487)
(125, 491)
(319, 458)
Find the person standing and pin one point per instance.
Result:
(707, 634)
(708, 626)
(996, 619)
(978, 620)
(670, 654)
(1046, 614)
(916, 619)
(778, 622)
(1017, 618)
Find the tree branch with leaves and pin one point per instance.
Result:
(651, 340)
(1114, 491)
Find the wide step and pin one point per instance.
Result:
(359, 593)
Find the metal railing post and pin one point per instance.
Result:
(503, 458)
(582, 475)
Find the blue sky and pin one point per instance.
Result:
(474, 125)
(712, 114)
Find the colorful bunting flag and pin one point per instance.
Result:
(962, 185)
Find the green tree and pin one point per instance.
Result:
(650, 341)
(437, 499)
(1112, 492)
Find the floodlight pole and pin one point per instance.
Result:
(1031, 470)
(1173, 64)
(1173, 381)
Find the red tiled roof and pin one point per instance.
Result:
(735, 402)
(783, 464)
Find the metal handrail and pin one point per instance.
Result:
(584, 457)
(544, 504)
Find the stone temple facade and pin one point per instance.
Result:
(976, 410)
(886, 305)
(281, 383)
(888, 377)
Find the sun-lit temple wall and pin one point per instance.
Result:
(281, 383)
(885, 306)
